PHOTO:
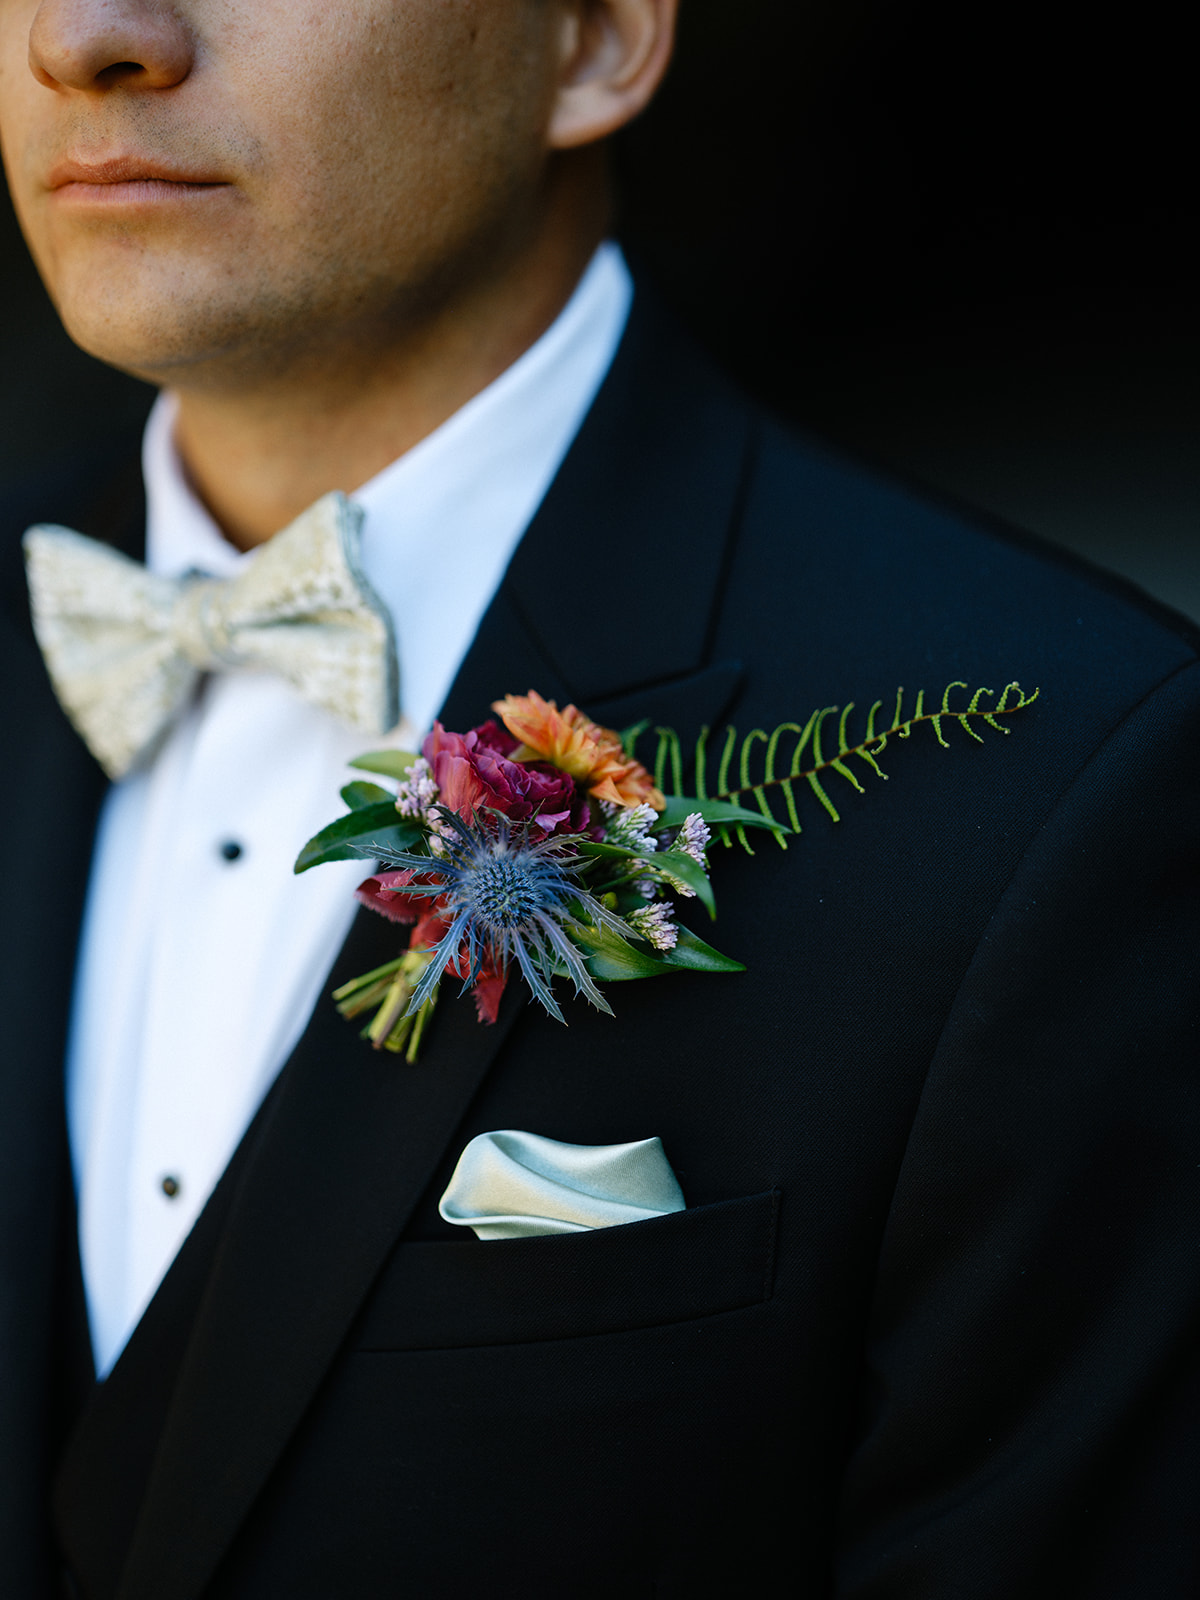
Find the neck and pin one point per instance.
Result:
(258, 454)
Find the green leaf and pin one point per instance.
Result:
(606, 852)
(359, 795)
(693, 953)
(680, 807)
(678, 864)
(371, 827)
(610, 959)
(391, 763)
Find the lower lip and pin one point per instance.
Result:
(138, 194)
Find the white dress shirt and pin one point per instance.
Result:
(202, 955)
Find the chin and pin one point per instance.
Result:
(132, 344)
(150, 335)
(144, 312)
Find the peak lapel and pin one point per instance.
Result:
(617, 580)
(355, 1137)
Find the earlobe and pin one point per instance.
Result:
(615, 53)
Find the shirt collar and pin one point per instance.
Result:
(442, 521)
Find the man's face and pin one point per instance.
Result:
(292, 175)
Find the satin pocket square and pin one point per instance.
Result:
(514, 1185)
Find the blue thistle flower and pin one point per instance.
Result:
(511, 897)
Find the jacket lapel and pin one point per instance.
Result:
(49, 802)
(352, 1139)
(50, 797)
(615, 585)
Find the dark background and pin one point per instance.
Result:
(959, 241)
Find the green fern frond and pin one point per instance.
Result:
(767, 784)
(668, 750)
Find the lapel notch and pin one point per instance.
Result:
(614, 589)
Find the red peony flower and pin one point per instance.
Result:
(473, 773)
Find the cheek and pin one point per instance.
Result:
(18, 87)
(406, 111)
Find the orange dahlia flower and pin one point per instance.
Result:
(592, 755)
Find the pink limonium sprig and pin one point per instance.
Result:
(692, 840)
(418, 791)
(656, 924)
(631, 829)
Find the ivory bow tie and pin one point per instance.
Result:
(124, 647)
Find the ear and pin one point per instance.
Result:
(614, 54)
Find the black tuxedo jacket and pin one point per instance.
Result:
(928, 1327)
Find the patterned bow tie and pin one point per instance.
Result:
(124, 647)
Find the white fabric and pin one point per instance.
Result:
(516, 1185)
(125, 647)
(197, 975)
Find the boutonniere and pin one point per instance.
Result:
(538, 845)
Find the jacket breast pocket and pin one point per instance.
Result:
(459, 1293)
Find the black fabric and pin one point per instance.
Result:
(118, 1424)
(50, 797)
(693, 1263)
(928, 1328)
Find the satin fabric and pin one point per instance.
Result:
(515, 1185)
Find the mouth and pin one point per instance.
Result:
(129, 180)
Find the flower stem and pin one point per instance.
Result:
(391, 1011)
(355, 984)
(420, 1022)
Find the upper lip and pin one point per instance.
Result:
(123, 169)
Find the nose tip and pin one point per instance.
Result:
(97, 44)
